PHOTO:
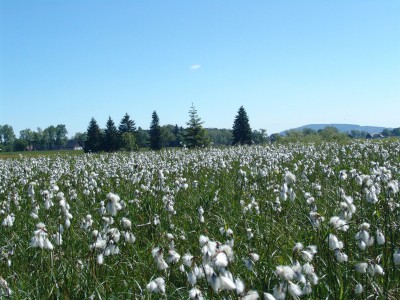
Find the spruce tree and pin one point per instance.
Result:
(155, 132)
(195, 134)
(110, 138)
(241, 128)
(93, 137)
(127, 133)
(126, 125)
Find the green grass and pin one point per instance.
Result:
(238, 189)
(50, 153)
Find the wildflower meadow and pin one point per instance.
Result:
(250, 222)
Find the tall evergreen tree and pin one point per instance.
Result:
(126, 125)
(241, 128)
(93, 137)
(110, 137)
(155, 132)
(195, 134)
(127, 133)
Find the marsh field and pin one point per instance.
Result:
(260, 222)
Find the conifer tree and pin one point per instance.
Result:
(241, 128)
(110, 138)
(155, 132)
(126, 125)
(93, 137)
(195, 134)
(127, 134)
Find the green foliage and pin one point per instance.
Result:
(308, 135)
(142, 138)
(195, 134)
(259, 137)
(241, 130)
(93, 142)
(242, 189)
(155, 132)
(20, 145)
(128, 142)
(220, 137)
(7, 138)
(80, 138)
(126, 125)
(111, 140)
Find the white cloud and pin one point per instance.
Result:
(195, 67)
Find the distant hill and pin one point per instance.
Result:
(342, 127)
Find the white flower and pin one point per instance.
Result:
(203, 240)
(126, 223)
(340, 256)
(40, 238)
(294, 290)
(195, 293)
(358, 289)
(226, 283)
(100, 259)
(161, 264)
(254, 257)
(129, 237)
(173, 256)
(187, 260)
(298, 247)
(191, 277)
(334, 243)
(250, 295)
(9, 220)
(221, 260)
(307, 289)
(156, 252)
(396, 257)
(361, 267)
(380, 238)
(157, 285)
(338, 223)
(284, 272)
(280, 291)
(290, 178)
(268, 296)
(239, 286)
(113, 206)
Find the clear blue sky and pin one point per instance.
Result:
(289, 63)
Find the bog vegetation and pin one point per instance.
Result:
(270, 222)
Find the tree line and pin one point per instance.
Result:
(127, 138)
(50, 138)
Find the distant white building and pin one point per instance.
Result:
(374, 136)
(73, 145)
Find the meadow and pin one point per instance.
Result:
(261, 222)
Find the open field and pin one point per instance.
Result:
(39, 153)
(281, 221)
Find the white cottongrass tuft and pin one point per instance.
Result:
(358, 289)
(396, 257)
(113, 205)
(361, 267)
(196, 294)
(156, 286)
